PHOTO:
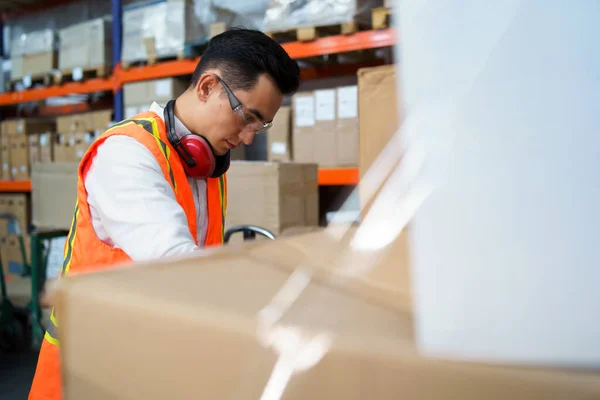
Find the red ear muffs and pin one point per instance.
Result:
(196, 153)
(200, 151)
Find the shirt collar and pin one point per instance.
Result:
(180, 129)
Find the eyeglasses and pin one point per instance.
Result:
(250, 119)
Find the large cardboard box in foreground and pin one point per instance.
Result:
(53, 194)
(274, 196)
(198, 322)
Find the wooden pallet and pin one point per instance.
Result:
(380, 19)
(152, 60)
(79, 74)
(44, 79)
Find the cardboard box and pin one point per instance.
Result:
(86, 45)
(46, 147)
(12, 257)
(332, 342)
(140, 95)
(5, 156)
(347, 126)
(19, 206)
(101, 121)
(279, 138)
(326, 127)
(26, 126)
(33, 65)
(75, 123)
(53, 194)
(72, 146)
(34, 149)
(304, 127)
(377, 111)
(274, 196)
(19, 157)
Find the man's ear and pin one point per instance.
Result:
(205, 86)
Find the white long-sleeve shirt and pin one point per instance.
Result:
(133, 206)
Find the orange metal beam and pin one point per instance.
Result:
(338, 176)
(89, 86)
(341, 43)
(15, 186)
(156, 71)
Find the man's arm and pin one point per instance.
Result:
(133, 204)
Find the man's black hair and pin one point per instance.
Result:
(242, 55)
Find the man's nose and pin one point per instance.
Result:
(247, 137)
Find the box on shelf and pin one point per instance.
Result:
(94, 121)
(321, 134)
(274, 196)
(5, 156)
(157, 31)
(46, 146)
(339, 339)
(28, 126)
(33, 54)
(71, 147)
(86, 45)
(12, 257)
(140, 95)
(347, 125)
(17, 205)
(19, 157)
(53, 194)
(284, 15)
(377, 110)
(34, 149)
(279, 138)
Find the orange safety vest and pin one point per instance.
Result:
(84, 252)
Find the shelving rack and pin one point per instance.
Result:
(362, 40)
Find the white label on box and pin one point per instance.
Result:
(23, 168)
(80, 153)
(5, 167)
(27, 81)
(162, 88)
(348, 102)
(72, 141)
(20, 127)
(278, 147)
(44, 139)
(130, 112)
(87, 138)
(77, 74)
(325, 103)
(14, 170)
(304, 111)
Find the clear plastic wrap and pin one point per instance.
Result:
(35, 42)
(157, 30)
(282, 15)
(242, 13)
(84, 45)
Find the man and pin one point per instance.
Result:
(136, 199)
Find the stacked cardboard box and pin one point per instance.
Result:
(33, 54)
(326, 127)
(15, 145)
(75, 134)
(279, 144)
(86, 45)
(14, 219)
(140, 95)
(275, 196)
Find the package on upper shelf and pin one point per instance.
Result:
(33, 42)
(157, 30)
(87, 44)
(289, 14)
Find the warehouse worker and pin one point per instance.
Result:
(154, 185)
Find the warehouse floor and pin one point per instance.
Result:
(16, 373)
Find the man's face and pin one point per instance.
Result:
(228, 128)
